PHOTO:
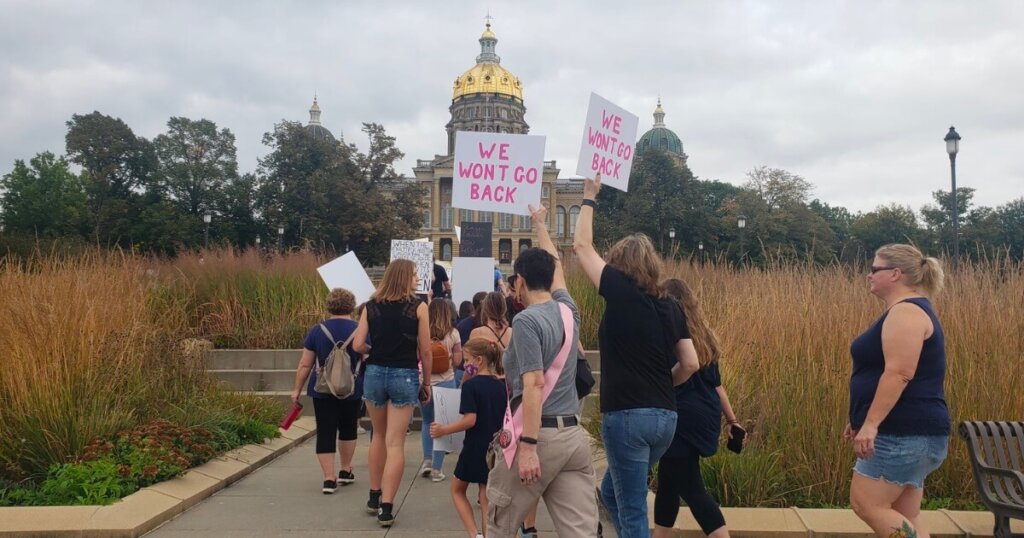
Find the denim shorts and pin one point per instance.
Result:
(398, 386)
(904, 460)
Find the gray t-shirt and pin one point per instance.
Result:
(537, 336)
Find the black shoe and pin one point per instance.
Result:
(373, 505)
(384, 515)
(330, 486)
(346, 477)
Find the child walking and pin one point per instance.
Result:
(483, 409)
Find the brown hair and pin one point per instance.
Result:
(635, 256)
(440, 312)
(493, 308)
(396, 285)
(704, 339)
(920, 272)
(489, 351)
(340, 302)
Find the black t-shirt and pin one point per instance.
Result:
(637, 338)
(700, 413)
(440, 277)
(393, 333)
(486, 396)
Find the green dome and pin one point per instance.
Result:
(660, 137)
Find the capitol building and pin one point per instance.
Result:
(489, 97)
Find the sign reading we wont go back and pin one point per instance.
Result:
(497, 172)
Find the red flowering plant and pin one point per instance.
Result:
(155, 451)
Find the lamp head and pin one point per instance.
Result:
(741, 222)
(952, 141)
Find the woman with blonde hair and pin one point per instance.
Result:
(646, 349)
(398, 325)
(700, 403)
(899, 422)
(446, 350)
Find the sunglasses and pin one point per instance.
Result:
(875, 268)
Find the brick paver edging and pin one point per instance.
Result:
(149, 507)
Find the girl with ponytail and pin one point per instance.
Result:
(483, 408)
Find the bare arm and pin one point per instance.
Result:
(302, 372)
(467, 421)
(539, 216)
(583, 241)
(533, 388)
(423, 337)
(730, 416)
(688, 365)
(362, 330)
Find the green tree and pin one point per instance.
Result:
(44, 198)
(118, 167)
(886, 224)
(197, 161)
(1011, 225)
(938, 218)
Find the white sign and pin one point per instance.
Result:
(608, 139)
(422, 254)
(346, 272)
(475, 274)
(446, 411)
(497, 171)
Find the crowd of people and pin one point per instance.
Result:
(514, 352)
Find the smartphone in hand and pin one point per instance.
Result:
(735, 443)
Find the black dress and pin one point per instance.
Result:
(486, 396)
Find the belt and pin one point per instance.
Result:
(559, 422)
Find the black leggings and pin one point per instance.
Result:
(335, 421)
(680, 477)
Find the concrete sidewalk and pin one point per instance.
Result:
(284, 499)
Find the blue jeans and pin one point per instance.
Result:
(904, 460)
(383, 385)
(436, 457)
(634, 440)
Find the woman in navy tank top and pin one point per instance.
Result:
(899, 422)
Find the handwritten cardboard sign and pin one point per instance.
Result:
(608, 139)
(476, 241)
(422, 254)
(497, 171)
(346, 272)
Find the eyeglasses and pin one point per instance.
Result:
(875, 269)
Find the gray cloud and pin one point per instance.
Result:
(854, 96)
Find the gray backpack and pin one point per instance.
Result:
(336, 377)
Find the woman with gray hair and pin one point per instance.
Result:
(899, 422)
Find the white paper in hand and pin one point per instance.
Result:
(346, 272)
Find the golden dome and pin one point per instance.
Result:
(487, 77)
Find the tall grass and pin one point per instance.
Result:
(91, 346)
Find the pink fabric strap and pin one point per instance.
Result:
(514, 421)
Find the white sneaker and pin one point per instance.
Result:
(437, 476)
(425, 469)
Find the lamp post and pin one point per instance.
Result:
(207, 217)
(741, 223)
(280, 239)
(672, 240)
(952, 148)
(257, 242)
(700, 248)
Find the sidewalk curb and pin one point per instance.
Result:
(150, 507)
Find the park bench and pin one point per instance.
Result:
(997, 458)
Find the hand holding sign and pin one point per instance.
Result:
(591, 187)
(608, 139)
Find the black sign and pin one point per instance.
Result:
(476, 240)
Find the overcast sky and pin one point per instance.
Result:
(854, 96)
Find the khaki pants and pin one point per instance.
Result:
(566, 484)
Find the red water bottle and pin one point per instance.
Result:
(291, 416)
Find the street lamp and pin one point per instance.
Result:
(257, 242)
(280, 238)
(672, 240)
(952, 148)
(207, 217)
(700, 248)
(741, 223)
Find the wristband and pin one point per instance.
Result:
(589, 202)
(527, 440)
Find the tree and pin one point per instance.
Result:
(1011, 226)
(43, 199)
(777, 188)
(886, 224)
(118, 166)
(196, 163)
(939, 218)
(377, 164)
